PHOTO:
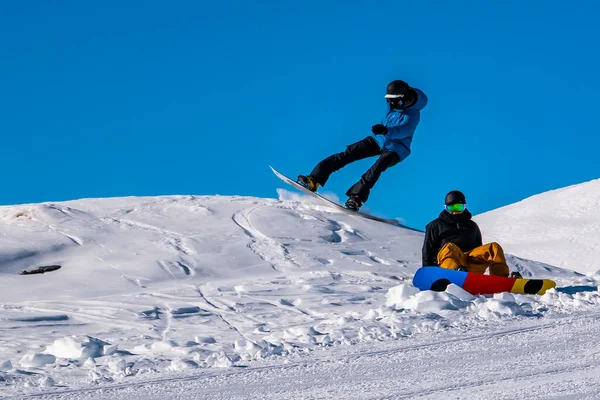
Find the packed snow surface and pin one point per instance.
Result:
(238, 297)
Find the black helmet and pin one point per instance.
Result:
(397, 90)
(455, 197)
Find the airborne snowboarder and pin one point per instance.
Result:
(453, 241)
(390, 141)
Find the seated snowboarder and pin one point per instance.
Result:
(453, 241)
(390, 142)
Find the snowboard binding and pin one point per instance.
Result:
(353, 203)
(308, 182)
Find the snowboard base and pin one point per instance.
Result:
(343, 209)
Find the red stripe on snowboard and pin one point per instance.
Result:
(487, 284)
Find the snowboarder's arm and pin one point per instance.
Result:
(430, 246)
(394, 126)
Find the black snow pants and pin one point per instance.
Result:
(365, 148)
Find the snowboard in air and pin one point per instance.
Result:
(293, 183)
(437, 279)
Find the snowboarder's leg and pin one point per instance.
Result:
(361, 189)
(475, 265)
(367, 147)
(451, 256)
(489, 255)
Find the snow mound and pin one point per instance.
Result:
(559, 227)
(73, 347)
(6, 366)
(218, 360)
(503, 304)
(397, 295)
(407, 296)
(37, 360)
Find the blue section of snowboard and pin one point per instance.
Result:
(426, 277)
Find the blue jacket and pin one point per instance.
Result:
(401, 125)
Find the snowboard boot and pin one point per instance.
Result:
(308, 182)
(353, 203)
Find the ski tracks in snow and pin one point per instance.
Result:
(72, 238)
(477, 368)
(276, 254)
(172, 240)
(134, 281)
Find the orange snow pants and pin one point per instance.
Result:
(477, 260)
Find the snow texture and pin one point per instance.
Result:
(239, 297)
(561, 227)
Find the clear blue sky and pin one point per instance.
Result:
(120, 98)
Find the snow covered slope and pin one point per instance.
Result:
(158, 287)
(560, 227)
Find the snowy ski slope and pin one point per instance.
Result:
(239, 297)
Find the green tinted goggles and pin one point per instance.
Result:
(456, 207)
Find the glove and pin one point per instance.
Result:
(379, 129)
(516, 274)
(462, 268)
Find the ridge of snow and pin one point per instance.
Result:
(559, 227)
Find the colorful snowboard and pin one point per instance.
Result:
(293, 183)
(437, 279)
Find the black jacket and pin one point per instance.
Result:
(456, 228)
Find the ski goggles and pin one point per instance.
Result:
(456, 207)
(394, 100)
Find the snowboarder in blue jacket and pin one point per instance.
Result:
(390, 141)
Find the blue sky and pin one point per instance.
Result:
(104, 99)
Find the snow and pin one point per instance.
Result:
(560, 227)
(78, 347)
(240, 297)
